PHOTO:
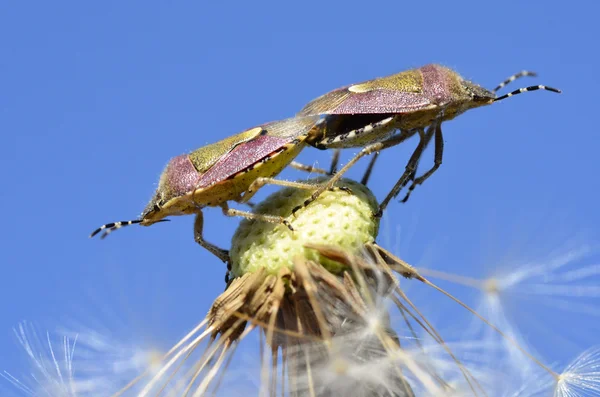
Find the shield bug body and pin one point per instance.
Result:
(229, 170)
(386, 111)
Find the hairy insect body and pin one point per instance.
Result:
(221, 172)
(187, 185)
(386, 111)
(371, 111)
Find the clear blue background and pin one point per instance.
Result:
(95, 98)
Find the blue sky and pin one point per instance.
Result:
(95, 98)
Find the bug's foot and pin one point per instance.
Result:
(223, 255)
(287, 224)
(410, 190)
(296, 209)
(342, 188)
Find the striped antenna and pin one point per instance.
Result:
(522, 90)
(512, 78)
(111, 227)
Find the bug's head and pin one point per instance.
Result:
(177, 180)
(478, 95)
(155, 210)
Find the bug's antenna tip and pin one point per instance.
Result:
(97, 231)
(552, 89)
(110, 227)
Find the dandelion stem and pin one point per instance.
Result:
(454, 278)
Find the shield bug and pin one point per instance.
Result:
(229, 170)
(386, 111)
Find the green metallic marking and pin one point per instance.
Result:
(408, 81)
(207, 156)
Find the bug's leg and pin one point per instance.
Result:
(439, 153)
(228, 274)
(260, 217)
(372, 148)
(367, 174)
(375, 147)
(198, 226)
(260, 182)
(308, 168)
(335, 161)
(410, 169)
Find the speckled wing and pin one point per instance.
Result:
(274, 136)
(396, 94)
(295, 127)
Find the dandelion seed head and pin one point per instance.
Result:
(491, 286)
(351, 365)
(581, 377)
(340, 218)
(374, 322)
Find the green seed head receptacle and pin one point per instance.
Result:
(338, 218)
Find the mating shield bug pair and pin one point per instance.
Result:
(415, 101)
(375, 114)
